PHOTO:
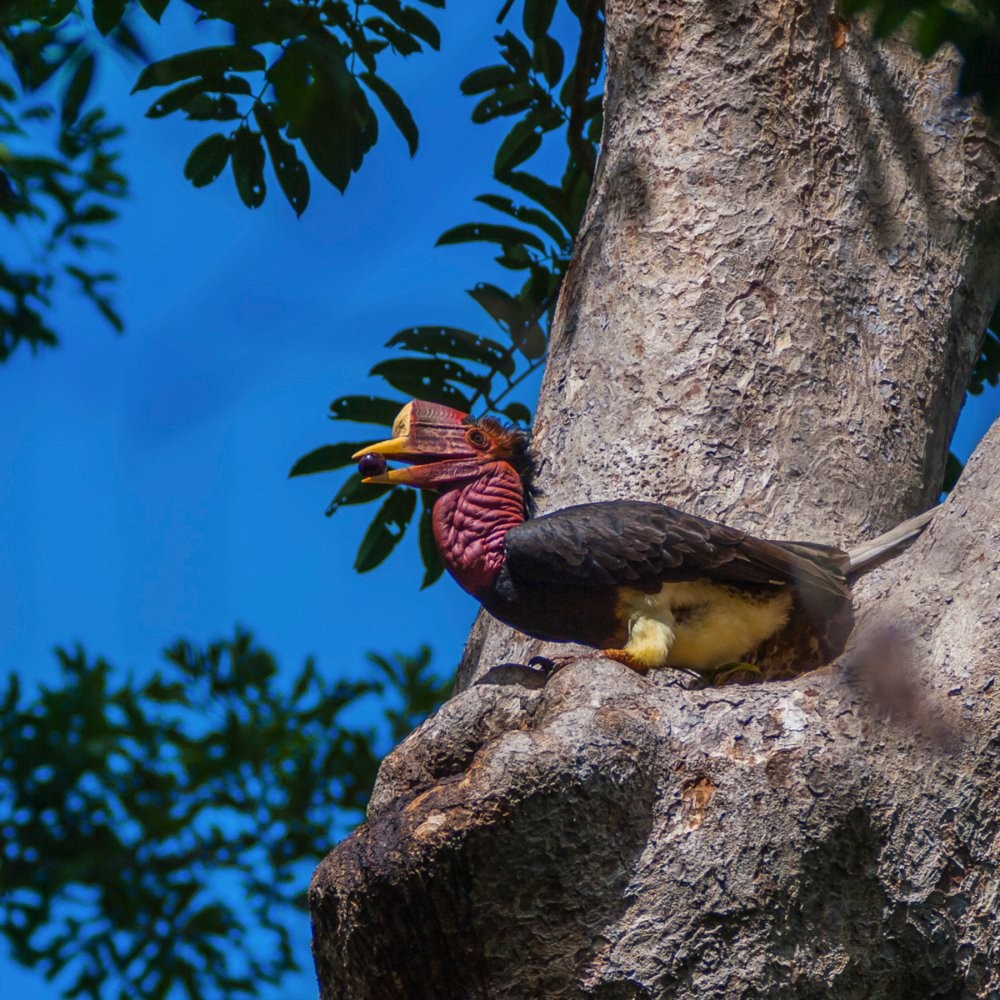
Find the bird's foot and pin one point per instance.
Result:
(649, 642)
(626, 657)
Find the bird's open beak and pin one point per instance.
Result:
(432, 438)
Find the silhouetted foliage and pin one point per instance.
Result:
(972, 27)
(295, 84)
(987, 369)
(159, 836)
(543, 94)
(59, 179)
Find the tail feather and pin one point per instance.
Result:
(867, 554)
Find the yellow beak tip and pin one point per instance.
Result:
(388, 478)
(394, 446)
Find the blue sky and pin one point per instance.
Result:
(145, 494)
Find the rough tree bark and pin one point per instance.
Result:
(775, 303)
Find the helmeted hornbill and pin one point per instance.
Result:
(648, 585)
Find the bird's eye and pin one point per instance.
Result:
(477, 438)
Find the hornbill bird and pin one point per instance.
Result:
(648, 585)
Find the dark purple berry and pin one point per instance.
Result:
(371, 465)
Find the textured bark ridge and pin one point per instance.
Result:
(774, 306)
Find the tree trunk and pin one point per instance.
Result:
(777, 296)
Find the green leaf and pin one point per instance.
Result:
(987, 368)
(159, 691)
(326, 108)
(507, 101)
(53, 12)
(203, 108)
(504, 308)
(595, 129)
(365, 409)
(890, 15)
(419, 25)
(248, 167)
(488, 78)
(77, 89)
(207, 62)
(929, 32)
(548, 59)
(486, 232)
(229, 85)
(433, 567)
(327, 458)
(537, 16)
(107, 14)
(513, 50)
(533, 216)
(288, 168)
(124, 40)
(393, 104)
(157, 780)
(451, 342)
(411, 20)
(952, 470)
(427, 378)
(517, 412)
(105, 308)
(154, 8)
(386, 530)
(979, 45)
(208, 159)
(519, 319)
(554, 200)
(14, 11)
(187, 94)
(12, 697)
(304, 681)
(515, 258)
(588, 66)
(395, 36)
(174, 100)
(96, 214)
(521, 143)
(541, 289)
(531, 341)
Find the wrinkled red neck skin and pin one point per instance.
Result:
(471, 521)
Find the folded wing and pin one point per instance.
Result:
(643, 545)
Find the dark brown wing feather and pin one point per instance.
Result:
(642, 545)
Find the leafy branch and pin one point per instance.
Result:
(59, 176)
(152, 831)
(309, 96)
(294, 84)
(532, 87)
